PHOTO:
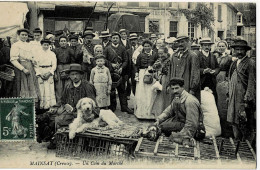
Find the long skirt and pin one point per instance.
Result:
(143, 98)
(29, 84)
(48, 98)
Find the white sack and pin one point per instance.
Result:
(211, 118)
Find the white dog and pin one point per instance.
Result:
(86, 118)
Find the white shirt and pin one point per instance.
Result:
(45, 58)
(20, 51)
(77, 84)
(115, 45)
(124, 42)
(205, 53)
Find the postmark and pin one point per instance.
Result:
(17, 119)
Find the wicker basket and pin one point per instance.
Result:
(96, 143)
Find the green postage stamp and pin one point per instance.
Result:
(17, 119)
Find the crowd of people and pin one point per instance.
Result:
(165, 76)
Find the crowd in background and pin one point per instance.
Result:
(126, 64)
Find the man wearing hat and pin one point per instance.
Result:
(116, 55)
(185, 64)
(182, 115)
(153, 39)
(73, 92)
(125, 42)
(209, 67)
(105, 37)
(131, 66)
(242, 92)
(77, 49)
(88, 53)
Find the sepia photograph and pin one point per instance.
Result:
(128, 84)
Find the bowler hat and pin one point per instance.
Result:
(48, 32)
(37, 30)
(241, 43)
(88, 32)
(73, 37)
(75, 67)
(182, 37)
(104, 34)
(206, 40)
(23, 30)
(45, 41)
(58, 33)
(133, 36)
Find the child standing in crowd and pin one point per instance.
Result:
(100, 77)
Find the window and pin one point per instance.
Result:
(73, 26)
(219, 13)
(133, 4)
(189, 5)
(191, 30)
(153, 26)
(153, 4)
(170, 4)
(212, 7)
(239, 18)
(173, 28)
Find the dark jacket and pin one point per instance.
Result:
(128, 44)
(144, 60)
(72, 95)
(117, 55)
(208, 62)
(77, 54)
(131, 68)
(64, 55)
(188, 68)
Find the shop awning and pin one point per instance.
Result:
(12, 17)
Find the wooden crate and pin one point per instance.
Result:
(101, 143)
(164, 150)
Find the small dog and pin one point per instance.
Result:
(85, 117)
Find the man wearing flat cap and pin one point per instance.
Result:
(185, 64)
(242, 92)
(88, 53)
(182, 115)
(116, 55)
(209, 67)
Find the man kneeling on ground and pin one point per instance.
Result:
(182, 115)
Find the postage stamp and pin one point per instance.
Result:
(17, 119)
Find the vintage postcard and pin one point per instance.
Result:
(128, 84)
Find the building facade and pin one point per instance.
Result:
(162, 18)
